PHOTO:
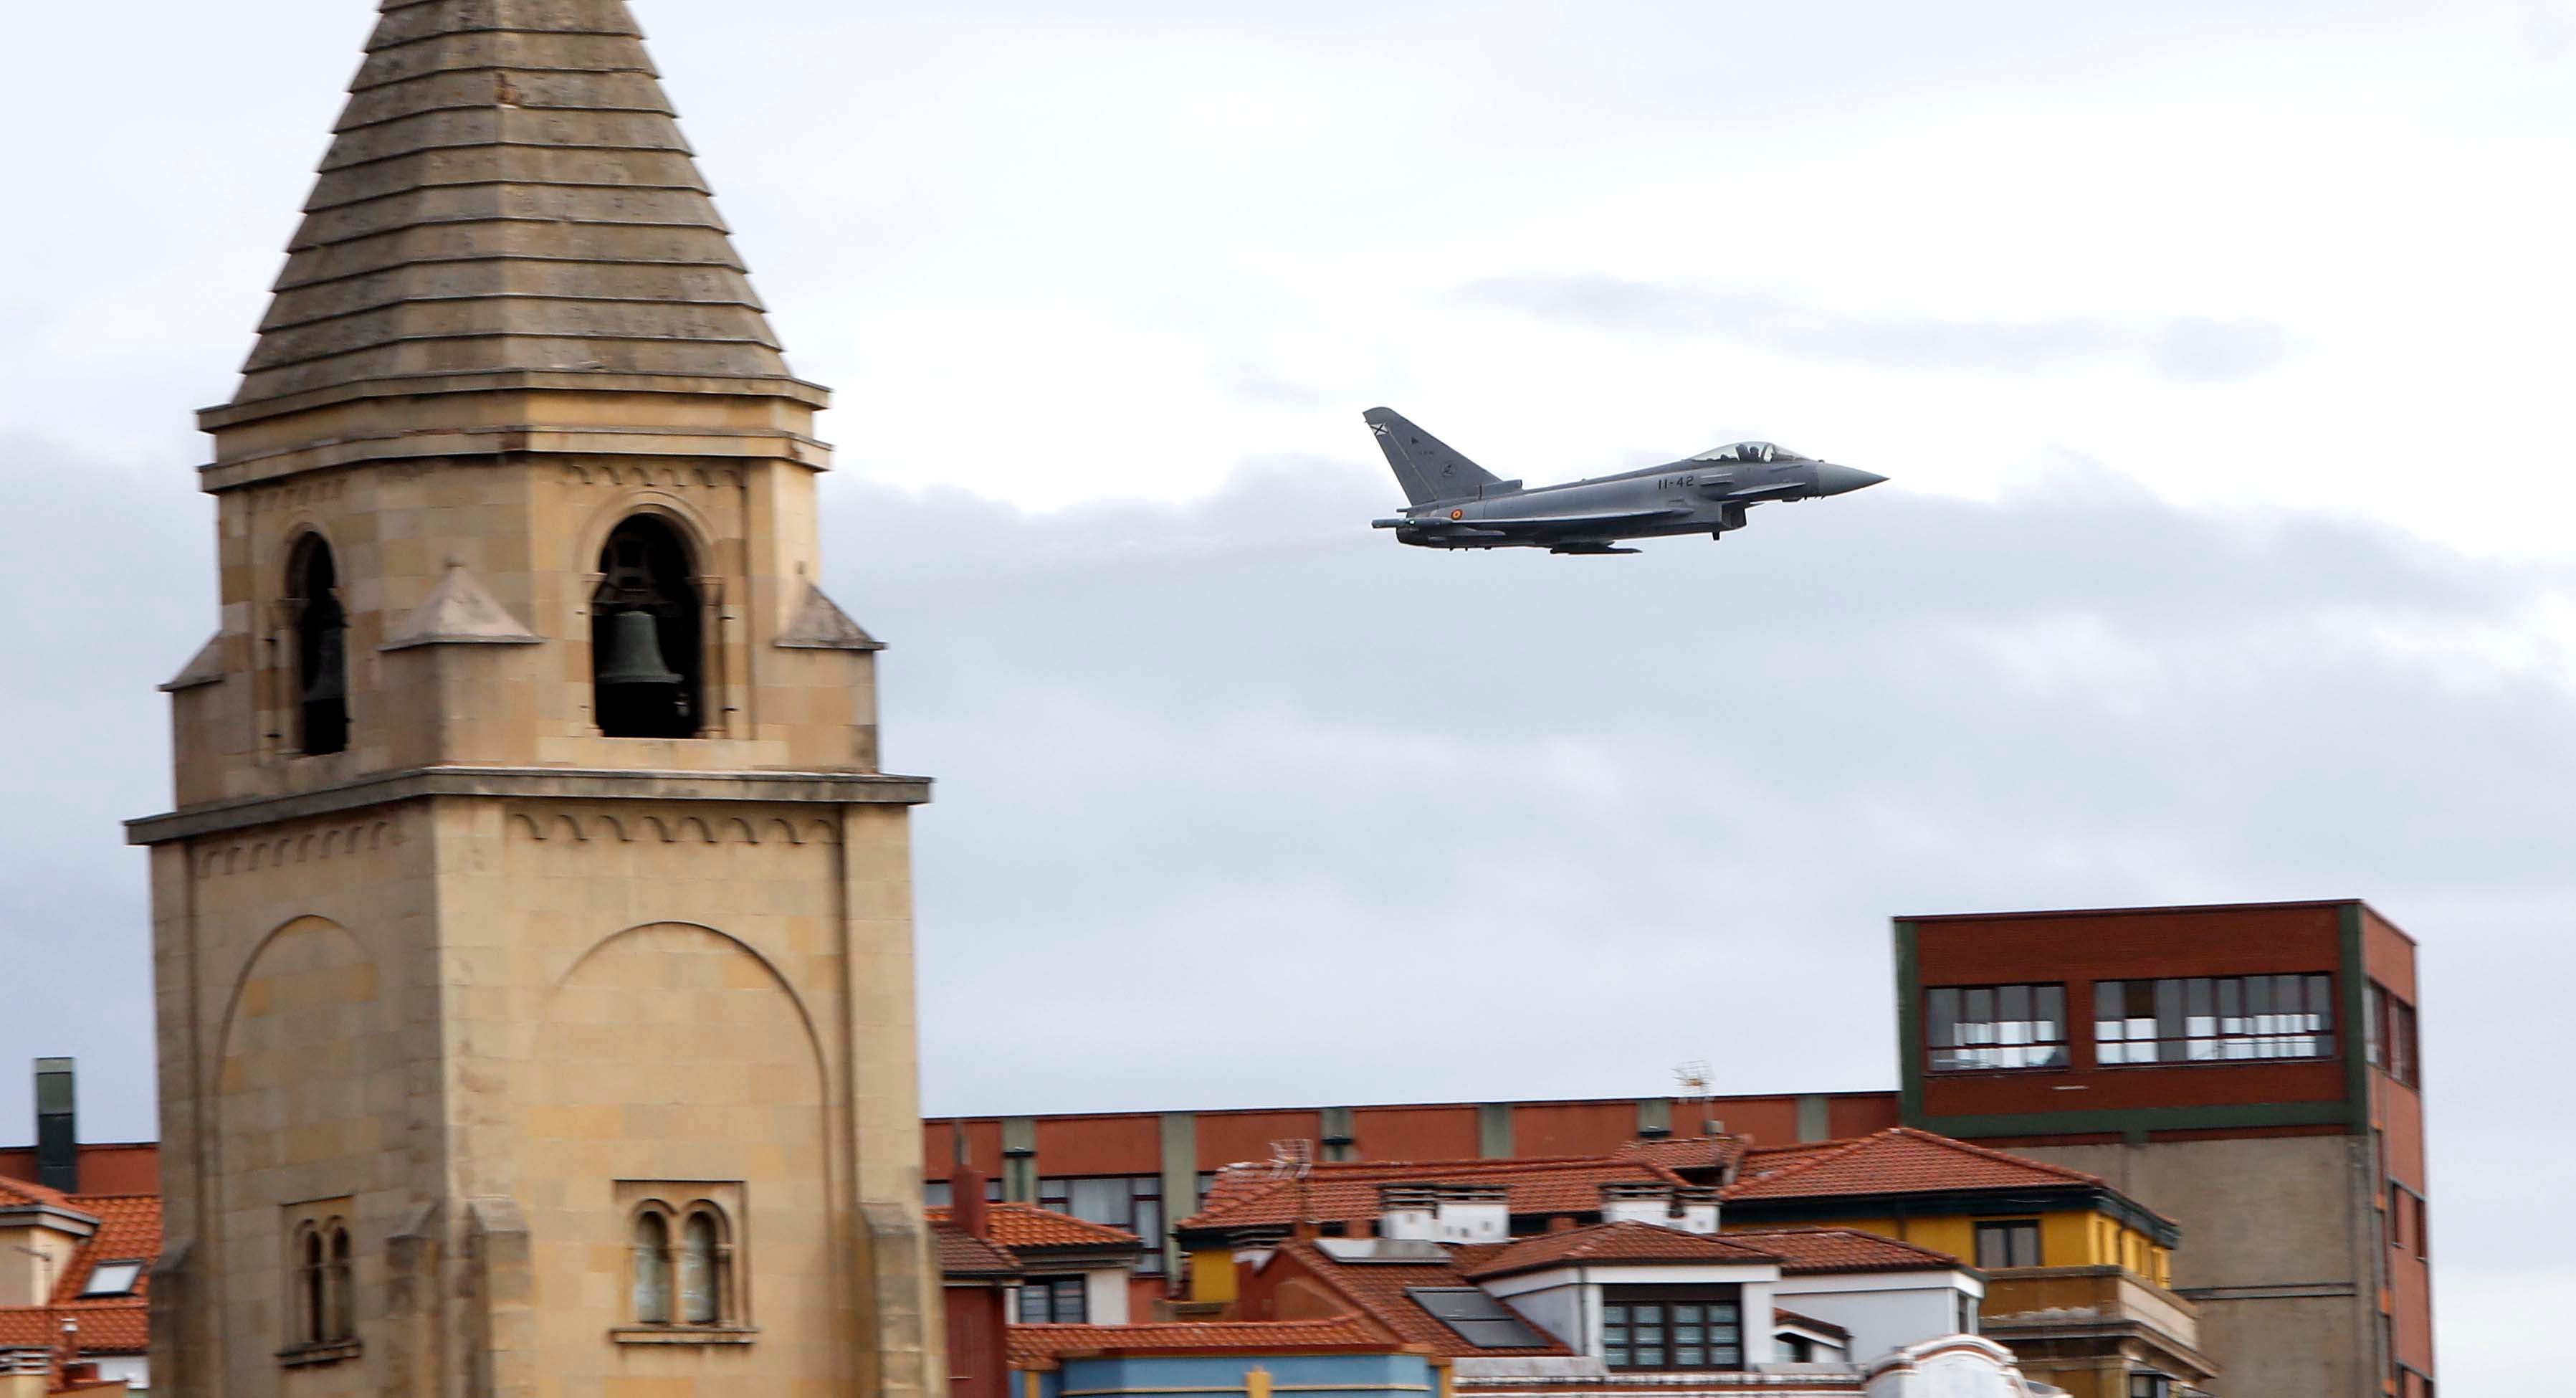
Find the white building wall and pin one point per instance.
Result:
(1882, 1312)
(1104, 1295)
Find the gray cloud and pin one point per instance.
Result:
(2186, 348)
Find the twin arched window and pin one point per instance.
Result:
(683, 1267)
(321, 640)
(645, 646)
(325, 1311)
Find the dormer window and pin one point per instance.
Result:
(321, 644)
(646, 667)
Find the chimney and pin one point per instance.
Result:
(966, 1204)
(57, 1131)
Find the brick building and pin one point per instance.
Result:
(2290, 1149)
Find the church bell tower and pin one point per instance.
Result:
(532, 932)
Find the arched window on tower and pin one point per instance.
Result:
(644, 635)
(344, 1320)
(652, 1268)
(701, 1271)
(313, 1288)
(321, 649)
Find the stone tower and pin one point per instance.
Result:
(532, 931)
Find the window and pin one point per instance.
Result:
(113, 1279)
(701, 1273)
(652, 1268)
(2145, 1385)
(321, 1319)
(1973, 1028)
(315, 1287)
(2374, 1025)
(684, 1277)
(1053, 1301)
(2400, 1034)
(1966, 1307)
(2206, 1019)
(936, 1194)
(644, 635)
(2008, 1243)
(1132, 1202)
(344, 1321)
(321, 643)
(1672, 1327)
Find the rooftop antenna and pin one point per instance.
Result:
(1693, 1077)
(1295, 1160)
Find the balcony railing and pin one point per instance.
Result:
(2065, 1313)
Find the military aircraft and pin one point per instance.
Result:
(1453, 503)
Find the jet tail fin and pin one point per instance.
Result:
(1425, 466)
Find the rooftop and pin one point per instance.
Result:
(1040, 1346)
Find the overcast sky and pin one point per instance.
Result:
(2218, 352)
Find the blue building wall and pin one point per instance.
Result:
(1228, 1376)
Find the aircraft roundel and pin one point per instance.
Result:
(1457, 514)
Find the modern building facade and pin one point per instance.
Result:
(2289, 1148)
(532, 931)
(2253, 1071)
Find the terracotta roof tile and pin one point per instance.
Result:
(29, 1194)
(1809, 1251)
(129, 1230)
(121, 1326)
(1342, 1191)
(1899, 1160)
(1687, 1155)
(1035, 1346)
(1377, 1291)
(1625, 1241)
(962, 1254)
(1017, 1226)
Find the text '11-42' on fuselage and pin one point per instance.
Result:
(1453, 503)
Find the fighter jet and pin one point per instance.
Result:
(1453, 503)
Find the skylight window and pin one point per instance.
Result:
(1479, 1319)
(113, 1279)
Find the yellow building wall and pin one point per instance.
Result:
(1212, 1275)
(2067, 1238)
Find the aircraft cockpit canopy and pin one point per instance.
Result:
(1750, 451)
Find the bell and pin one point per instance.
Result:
(330, 678)
(634, 652)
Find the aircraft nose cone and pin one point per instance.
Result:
(1838, 480)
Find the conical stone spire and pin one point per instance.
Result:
(507, 194)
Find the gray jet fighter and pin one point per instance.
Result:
(1453, 503)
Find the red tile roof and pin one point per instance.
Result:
(121, 1326)
(1038, 1346)
(1689, 1155)
(1017, 1226)
(1810, 1251)
(1625, 1241)
(1345, 1190)
(129, 1230)
(1377, 1291)
(962, 1254)
(20, 1194)
(1899, 1160)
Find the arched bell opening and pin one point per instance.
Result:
(321, 649)
(646, 666)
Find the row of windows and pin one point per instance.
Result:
(646, 651)
(2199, 1019)
(1672, 1328)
